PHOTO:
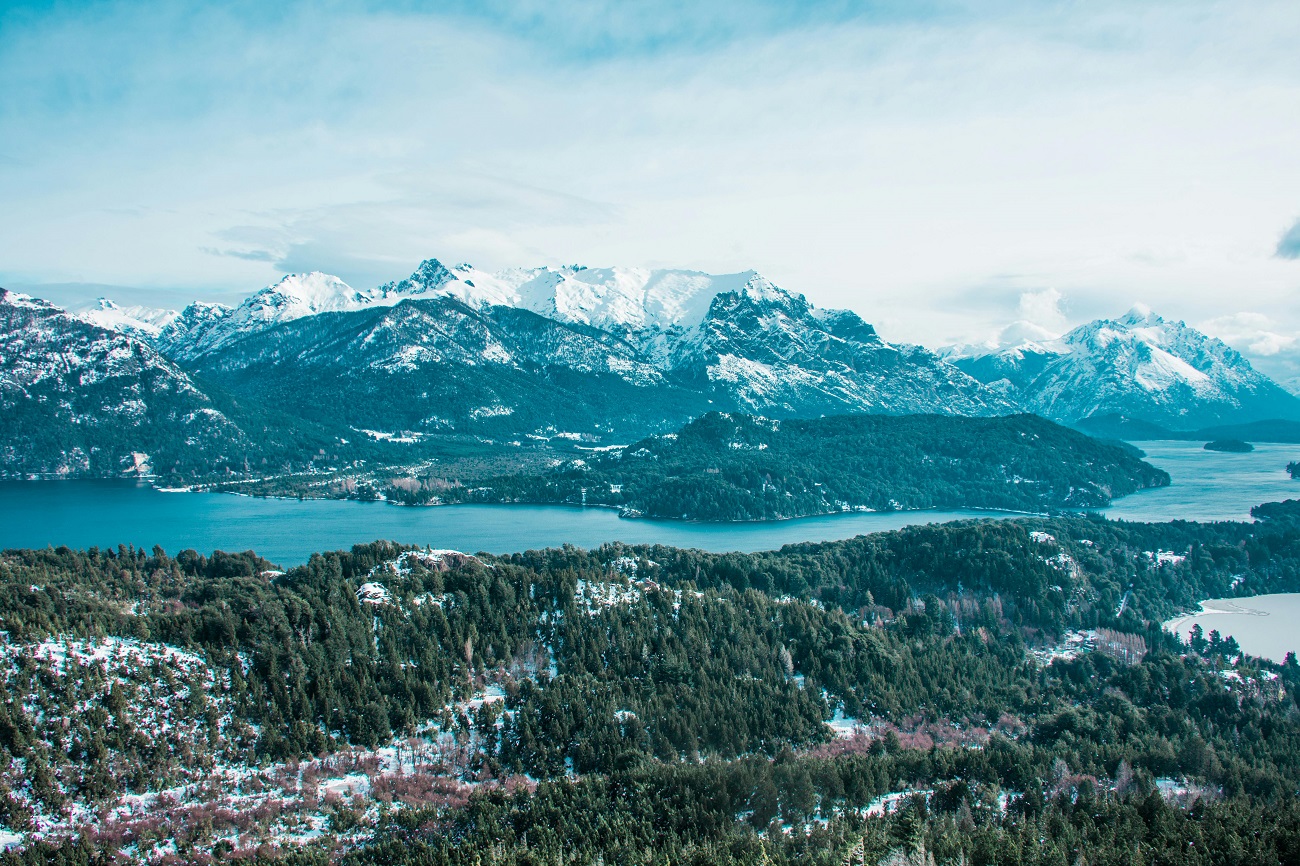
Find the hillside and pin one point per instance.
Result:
(81, 400)
(78, 399)
(741, 467)
(967, 690)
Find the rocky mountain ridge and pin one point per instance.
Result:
(524, 351)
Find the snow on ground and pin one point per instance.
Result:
(374, 593)
(62, 652)
(1073, 645)
(596, 596)
(887, 804)
(844, 726)
(1163, 557)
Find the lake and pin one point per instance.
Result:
(1264, 625)
(1208, 485)
(286, 531)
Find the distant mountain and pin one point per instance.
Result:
(77, 398)
(137, 321)
(767, 350)
(1139, 366)
(590, 351)
(1128, 429)
(202, 328)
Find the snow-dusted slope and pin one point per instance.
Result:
(1140, 366)
(744, 339)
(435, 364)
(76, 398)
(137, 321)
(771, 351)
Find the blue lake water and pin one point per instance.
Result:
(1210, 485)
(1207, 486)
(1264, 625)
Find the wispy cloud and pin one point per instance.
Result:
(1288, 246)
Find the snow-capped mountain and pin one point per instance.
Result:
(1140, 366)
(203, 328)
(137, 321)
(734, 341)
(770, 351)
(76, 398)
(435, 364)
(636, 303)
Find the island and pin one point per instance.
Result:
(734, 467)
(1230, 446)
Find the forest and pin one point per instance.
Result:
(742, 467)
(972, 692)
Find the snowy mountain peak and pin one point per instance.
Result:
(18, 299)
(1140, 314)
(137, 320)
(298, 295)
(1139, 365)
(623, 300)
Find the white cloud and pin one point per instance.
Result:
(1043, 308)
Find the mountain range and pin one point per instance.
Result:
(601, 355)
(588, 351)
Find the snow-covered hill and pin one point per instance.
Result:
(1140, 366)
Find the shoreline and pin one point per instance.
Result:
(1226, 606)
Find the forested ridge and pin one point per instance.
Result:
(1014, 694)
(741, 467)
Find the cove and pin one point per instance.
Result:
(1264, 625)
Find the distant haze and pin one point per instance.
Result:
(941, 171)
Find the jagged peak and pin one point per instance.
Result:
(1140, 314)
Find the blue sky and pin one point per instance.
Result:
(942, 168)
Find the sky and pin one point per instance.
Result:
(943, 169)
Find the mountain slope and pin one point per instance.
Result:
(79, 399)
(436, 365)
(139, 321)
(1140, 366)
(202, 328)
(768, 350)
